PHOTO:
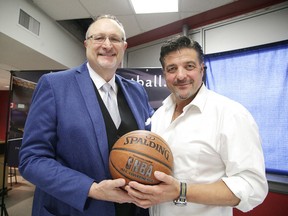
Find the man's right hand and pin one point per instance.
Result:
(110, 190)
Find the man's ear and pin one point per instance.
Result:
(202, 67)
(125, 45)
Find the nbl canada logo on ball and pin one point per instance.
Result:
(136, 155)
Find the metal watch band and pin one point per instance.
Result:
(181, 201)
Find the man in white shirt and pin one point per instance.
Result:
(218, 158)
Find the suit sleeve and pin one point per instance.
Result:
(38, 158)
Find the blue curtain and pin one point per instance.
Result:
(258, 79)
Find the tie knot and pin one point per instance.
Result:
(106, 87)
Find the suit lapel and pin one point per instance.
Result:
(87, 90)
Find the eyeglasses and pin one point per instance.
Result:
(99, 39)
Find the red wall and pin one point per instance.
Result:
(275, 204)
(4, 98)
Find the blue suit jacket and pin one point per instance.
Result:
(65, 146)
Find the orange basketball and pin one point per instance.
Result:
(136, 155)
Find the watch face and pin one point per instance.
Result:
(180, 202)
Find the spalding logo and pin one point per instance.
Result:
(148, 142)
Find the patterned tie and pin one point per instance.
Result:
(111, 104)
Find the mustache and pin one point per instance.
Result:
(182, 83)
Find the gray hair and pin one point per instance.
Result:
(106, 16)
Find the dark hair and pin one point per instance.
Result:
(178, 43)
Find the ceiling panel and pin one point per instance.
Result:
(115, 7)
(63, 9)
(199, 6)
(130, 24)
(148, 22)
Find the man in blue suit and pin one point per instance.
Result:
(69, 131)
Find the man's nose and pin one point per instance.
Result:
(107, 42)
(181, 73)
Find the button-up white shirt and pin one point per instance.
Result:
(214, 138)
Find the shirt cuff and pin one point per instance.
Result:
(242, 189)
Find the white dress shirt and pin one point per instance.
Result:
(99, 82)
(214, 138)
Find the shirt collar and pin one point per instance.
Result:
(200, 99)
(99, 81)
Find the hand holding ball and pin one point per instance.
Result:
(137, 155)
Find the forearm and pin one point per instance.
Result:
(211, 194)
(207, 194)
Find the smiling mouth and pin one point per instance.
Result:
(107, 54)
(182, 84)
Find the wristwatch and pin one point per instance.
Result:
(181, 201)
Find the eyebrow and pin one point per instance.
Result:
(193, 62)
(170, 65)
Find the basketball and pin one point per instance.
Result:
(136, 155)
